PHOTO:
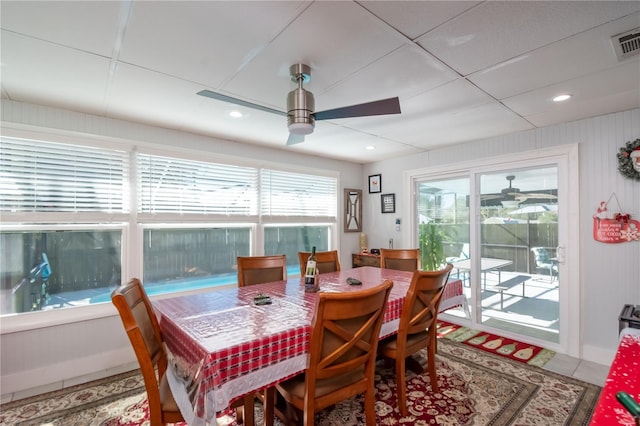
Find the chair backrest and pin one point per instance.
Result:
(400, 259)
(261, 269)
(420, 309)
(541, 256)
(326, 261)
(344, 339)
(143, 330)
(465, 253)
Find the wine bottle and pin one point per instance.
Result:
(310, 275)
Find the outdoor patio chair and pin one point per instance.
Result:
(545, 263)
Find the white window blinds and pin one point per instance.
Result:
(170, 185)
(295, 194)
(37, 176)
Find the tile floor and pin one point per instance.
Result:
(586, 371)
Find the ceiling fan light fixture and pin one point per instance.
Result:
(301, 128)
(510, 204)
(300, 104)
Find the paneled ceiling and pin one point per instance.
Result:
(463, 70)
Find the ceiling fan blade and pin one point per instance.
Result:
(540, 195)
(381, 107)
(487, 197)
(294, 139)
(225, 98)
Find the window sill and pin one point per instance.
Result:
(16, 323)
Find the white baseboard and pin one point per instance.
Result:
(96, 366)
(598, 355)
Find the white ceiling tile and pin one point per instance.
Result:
(558, 61)
(329, 37)
(415, 18)
(620, 101)
(441, 129)
(449, 98)
(406, 73)
(212, 118)
(203, 41)
(350, 145)
(625, 78)
(136, 91)
(91, 26)
(495, 32)
(358, 52)
(52, 75)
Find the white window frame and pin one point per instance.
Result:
(133, 222)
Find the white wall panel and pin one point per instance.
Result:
(610, 272)
(42, 356)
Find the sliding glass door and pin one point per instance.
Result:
(519, 280)
(443, 212)
(504, 227)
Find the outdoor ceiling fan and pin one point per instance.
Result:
(300, 113)
(510, 196)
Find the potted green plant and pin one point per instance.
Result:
(432, 239)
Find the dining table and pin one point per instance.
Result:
(487, 264)
(225, 344)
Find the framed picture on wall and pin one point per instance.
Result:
(375, 184)
(388, 203)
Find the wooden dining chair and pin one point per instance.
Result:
(326, 261)
(342, 354)
(400, 259)
(261, 269)
(257, 270)
(140, 323)
(417, 328)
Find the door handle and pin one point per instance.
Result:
(560, 254)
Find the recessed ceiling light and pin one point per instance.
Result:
(370, 147)
(235, 114)
(561, 98)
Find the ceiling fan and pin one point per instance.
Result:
(510, 196)
(300, 113)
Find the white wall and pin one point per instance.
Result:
(610, 272)
(82, 341)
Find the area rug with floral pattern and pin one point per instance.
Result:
(476, 388)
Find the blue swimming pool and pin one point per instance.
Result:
(185, 284)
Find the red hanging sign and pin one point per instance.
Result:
(614, 228)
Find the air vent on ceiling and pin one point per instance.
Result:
(626, 44)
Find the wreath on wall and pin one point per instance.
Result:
(629, 160)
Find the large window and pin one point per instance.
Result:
(76, 219)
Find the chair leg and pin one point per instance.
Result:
(248, 418)
(431, 363)
(269, 405)
(370, 407)
(401, 385)
(309, 416)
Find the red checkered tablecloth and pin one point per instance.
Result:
(224, 346)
